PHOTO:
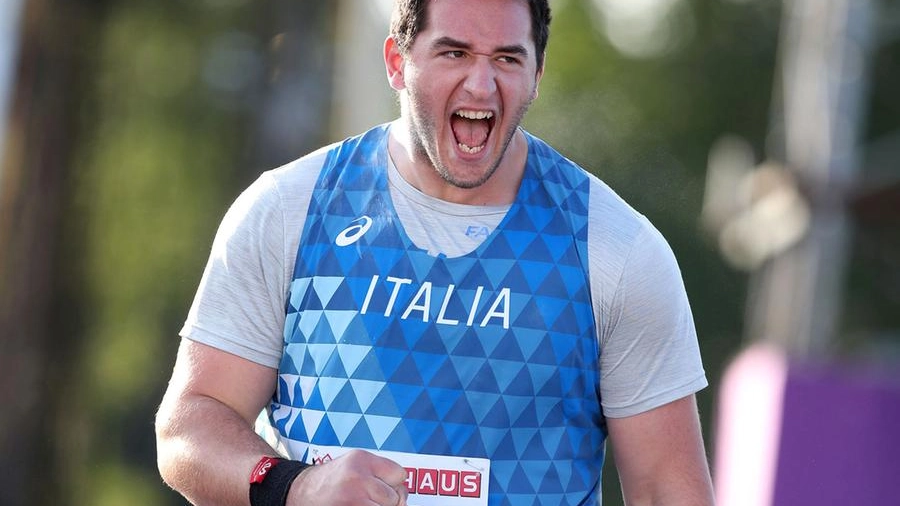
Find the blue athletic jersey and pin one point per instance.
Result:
(492, 355)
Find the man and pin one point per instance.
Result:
(442, 311)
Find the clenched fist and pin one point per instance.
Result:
(354, 479)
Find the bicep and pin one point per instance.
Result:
(204, 371)
(660, 455)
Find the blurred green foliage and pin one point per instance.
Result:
(161, 164)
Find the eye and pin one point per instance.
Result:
(509, 59)
(456, 54)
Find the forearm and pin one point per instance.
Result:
(685, 490)
(206, 450)
(683, 481)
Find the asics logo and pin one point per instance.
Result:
(352, 233)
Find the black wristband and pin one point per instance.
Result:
(273, 489)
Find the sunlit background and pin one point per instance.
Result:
(762, 137)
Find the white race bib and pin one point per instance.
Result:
(432, 480)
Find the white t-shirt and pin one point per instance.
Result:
(649, 352)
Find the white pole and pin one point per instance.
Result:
(825, 59)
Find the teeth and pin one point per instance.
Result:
(472, 114)
(475, 114)
(470, 150)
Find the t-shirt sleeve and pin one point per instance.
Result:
(649, 351)
(239, 305)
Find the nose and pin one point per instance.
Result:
(481, 79)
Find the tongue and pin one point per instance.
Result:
(471, 132)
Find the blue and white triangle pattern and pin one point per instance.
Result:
(489, 355)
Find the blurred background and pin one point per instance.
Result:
(762, 137)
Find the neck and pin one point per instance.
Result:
(415, 167)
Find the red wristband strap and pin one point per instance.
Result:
(271, 479)
(262, 468)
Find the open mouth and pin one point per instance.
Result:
(471, 129)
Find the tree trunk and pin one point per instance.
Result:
(33, 192)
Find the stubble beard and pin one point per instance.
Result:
(423, 133)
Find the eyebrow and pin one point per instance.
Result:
(450, 42)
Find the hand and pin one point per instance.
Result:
(354, 479)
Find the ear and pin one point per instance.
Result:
(538, 76)
(393, 63)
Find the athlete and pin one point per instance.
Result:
(441, 310)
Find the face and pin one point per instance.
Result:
(466, 83)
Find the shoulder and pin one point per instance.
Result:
(611, 216)
(273, 195)
(553, 166)
(297, 176)
(615, 220)
(623, 246)
(622, 240)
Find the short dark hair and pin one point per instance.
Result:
(410, 16)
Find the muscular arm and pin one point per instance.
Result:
(660, 456)
(207, 446)
(204, 428)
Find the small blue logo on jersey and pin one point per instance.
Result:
(476, 232)
(352, 233)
